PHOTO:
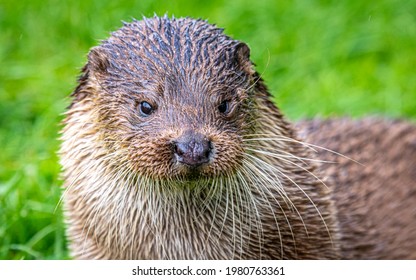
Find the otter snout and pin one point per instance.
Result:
(192, 149)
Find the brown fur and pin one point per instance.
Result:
(376, 199)
(260, 196)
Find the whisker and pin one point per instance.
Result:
(282, 138)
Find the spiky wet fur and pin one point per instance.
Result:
(262, 195)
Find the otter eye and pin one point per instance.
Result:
(224, 107)
(145, 108)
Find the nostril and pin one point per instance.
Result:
(180, 148)
(208, 149)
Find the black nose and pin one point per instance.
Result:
(192, 149)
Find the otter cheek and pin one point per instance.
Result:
(227, 153)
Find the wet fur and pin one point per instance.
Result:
(264, 194)
(376, 199)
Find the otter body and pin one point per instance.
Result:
(375, 193)
(172, 149)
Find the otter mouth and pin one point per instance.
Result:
(192, 173)
(195, 178)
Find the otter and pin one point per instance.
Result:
(173, 149)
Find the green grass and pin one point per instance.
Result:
(319, 58)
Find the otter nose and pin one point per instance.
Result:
(192, 149)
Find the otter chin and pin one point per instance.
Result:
(172, 149)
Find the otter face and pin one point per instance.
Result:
(186, 132)
(174, 98)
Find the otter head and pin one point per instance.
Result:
(173, 98)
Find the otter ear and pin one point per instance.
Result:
(242, 54)
(97, 61)
(242, 51)
(97, 65)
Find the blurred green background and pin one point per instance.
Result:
(319, 58)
